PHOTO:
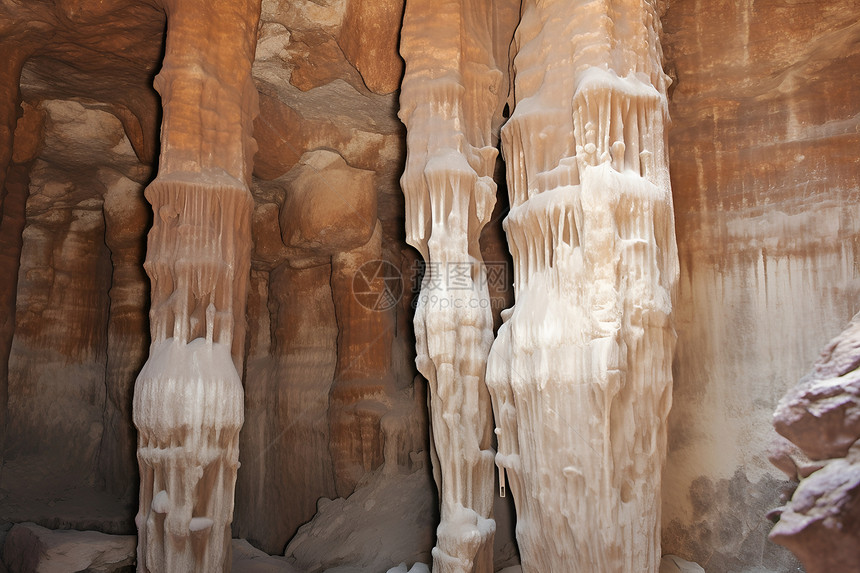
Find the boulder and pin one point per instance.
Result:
(31, 548)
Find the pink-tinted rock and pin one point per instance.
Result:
(821, 523)
(821, 415)
(821, 418)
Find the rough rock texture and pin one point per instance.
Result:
(330, 359)
(249, 559)
(102, 56)
(581, 370)
(30, 548)
(450, 101)
(329, 376)
(674, 564)
(764, 109)
(821, 416)
(80, 335)
(329, 205)
(380, 525)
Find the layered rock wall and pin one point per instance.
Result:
(764, 120)
(311, 405)
(764, 108)
(67, 156)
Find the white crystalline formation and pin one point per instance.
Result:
(579, 376)
(448, 99)
(580, 372)
(188, 399)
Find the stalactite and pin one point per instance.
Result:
(580, 373)
(449, 96)
(188, 399)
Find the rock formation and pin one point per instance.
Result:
(449, 99)
(767, 212)
(821, 419)
(765, 114)
(188, 399)
(581, 370)
(34, 548)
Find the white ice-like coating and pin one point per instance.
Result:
(448, 100)
(580, 372)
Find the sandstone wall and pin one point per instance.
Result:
(765, 178)
(329, 377)
(764, 108)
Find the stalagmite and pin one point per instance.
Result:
(449, 95)
(580, 373)
(188, 399)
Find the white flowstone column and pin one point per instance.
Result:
(188, 399)
(449, 96)
(580, 373)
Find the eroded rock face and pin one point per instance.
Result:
(30, 547)
(80, 324)
(329, 207)
(329, 376)
(764, 108)
(330, 358)
(381, 524)
(821, 416)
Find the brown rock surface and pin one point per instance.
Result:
(329, 207)
(821, 417)
(764, 172)
(64, 281)
(286, 464)
(14, 189)
(86, 204)
(369, 46)
(31, 548)
(764, 113)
